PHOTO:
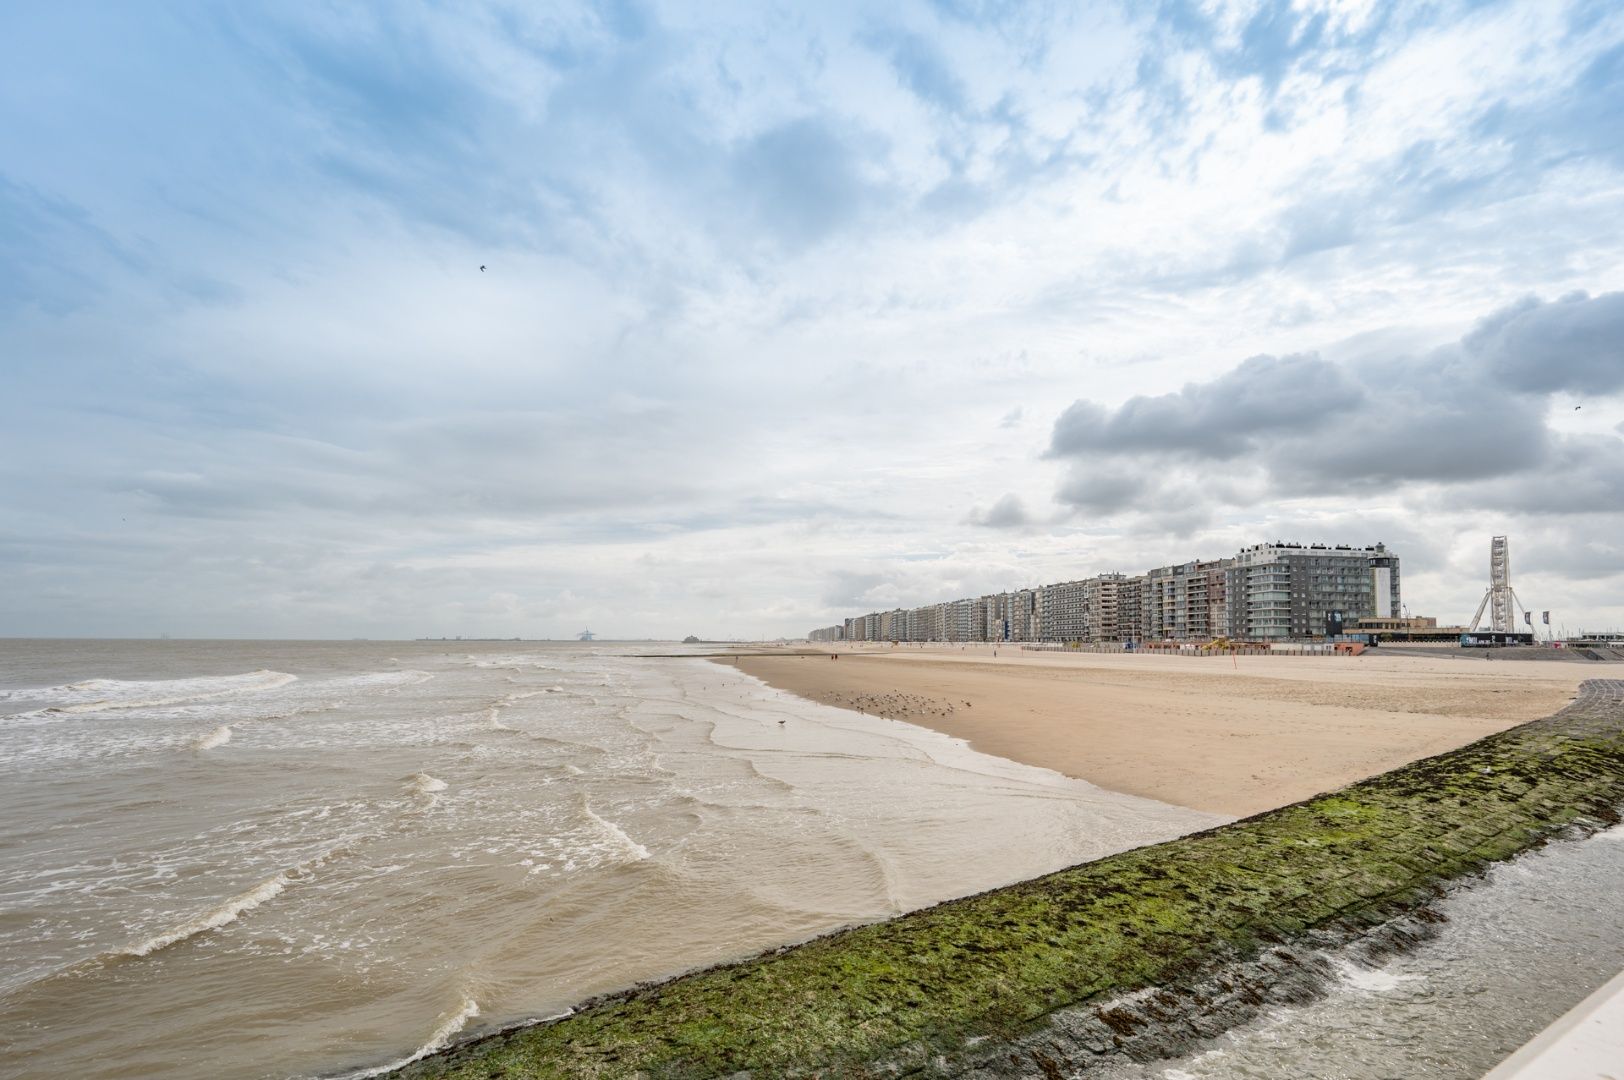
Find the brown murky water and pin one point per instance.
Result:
(260, 859)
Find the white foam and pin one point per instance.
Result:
(230, 911)
(428, 787)
(438, 1041)
(218, 737)
(226, 913)
(100, 695)
(424, 784)
(633, 851)
(1371, 980)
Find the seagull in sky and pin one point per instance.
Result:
(481, 269)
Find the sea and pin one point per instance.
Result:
(1521, 946)
(227, 859)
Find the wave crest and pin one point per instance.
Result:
(631, 849)
(233, 909)
(102, 695)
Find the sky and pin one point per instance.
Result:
(790, 313)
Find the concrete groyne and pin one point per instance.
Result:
(1142, 954)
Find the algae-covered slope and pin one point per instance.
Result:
(925, 992)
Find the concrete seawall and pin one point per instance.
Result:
(1142, 954)
(1586, 1043)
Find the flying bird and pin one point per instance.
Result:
(481, 269)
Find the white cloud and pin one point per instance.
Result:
(774, 296)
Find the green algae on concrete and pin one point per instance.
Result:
(938, 990)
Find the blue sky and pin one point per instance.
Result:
(794, 312)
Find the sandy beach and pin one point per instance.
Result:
(1228, 735)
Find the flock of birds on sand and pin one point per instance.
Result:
(893, 705)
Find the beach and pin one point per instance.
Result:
(1226, 735)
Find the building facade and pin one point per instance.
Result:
(1267, 592)
(1289, 591)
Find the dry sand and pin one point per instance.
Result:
(1230, 735)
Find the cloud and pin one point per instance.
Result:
(1106, 487)
(1575, 344)
(1458, 414)
(920, 66)
(1581, 476)
(1265, 396)
(801, 178)
(757, 280)
(1007, 513)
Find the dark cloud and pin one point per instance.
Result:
(1590, 557)
(1266, 396)
(1583, 474)
(1575, 344)
(1104, 490)
(1007, 513)
(1432, 419)
(1464, 414)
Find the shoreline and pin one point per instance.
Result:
(1232, 736)
(1140, 955)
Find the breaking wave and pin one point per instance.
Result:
(230, 911)
(100, 695)
(631, 849)
(448, 1029)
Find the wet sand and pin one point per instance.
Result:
(1228, 735)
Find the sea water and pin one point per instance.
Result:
(271, 859)
(1522, 945)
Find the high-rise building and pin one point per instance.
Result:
(1101, 602)
(1064, 612)
(1266, 592)
(1286, 591)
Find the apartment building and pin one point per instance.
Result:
(1102, 607)
(1185, 602)
(1064, 613)
(1025, 621)
(1286, 591)
(1273, 591)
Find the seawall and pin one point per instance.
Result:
(1143, 953)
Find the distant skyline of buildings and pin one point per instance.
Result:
(1266, 592)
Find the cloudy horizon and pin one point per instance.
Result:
(789, 315)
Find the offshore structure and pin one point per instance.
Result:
(1501, 599)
